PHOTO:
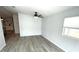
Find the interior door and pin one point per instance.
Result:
(2, 39)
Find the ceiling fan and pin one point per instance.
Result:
(37, 15)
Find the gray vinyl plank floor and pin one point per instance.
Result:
(14, 43)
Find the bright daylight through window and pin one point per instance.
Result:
(71, 27)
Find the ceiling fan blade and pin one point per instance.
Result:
(40, 16)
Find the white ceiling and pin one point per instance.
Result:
(4, 12)
(44, 10)
(44, 7)
(30, 9)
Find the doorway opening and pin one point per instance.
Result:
(8, 26)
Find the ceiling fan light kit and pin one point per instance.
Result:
(36, 15)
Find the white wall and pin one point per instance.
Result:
(16, 23)
(52, 30)
(29, 25)
(2, 39)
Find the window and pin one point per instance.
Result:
(71, 27)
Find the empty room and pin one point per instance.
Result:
(39, 29)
